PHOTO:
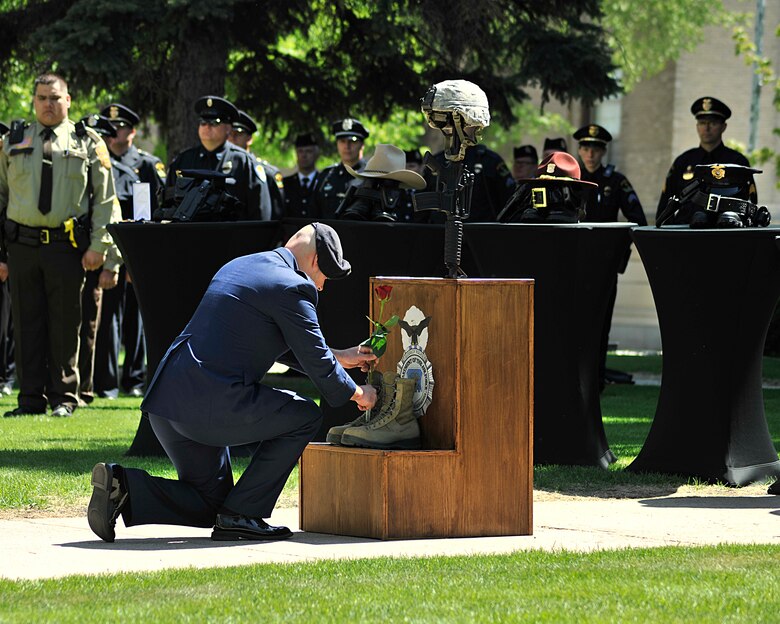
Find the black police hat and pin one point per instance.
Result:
(558, 144)
(710, 106)
(413, 156)
(245, 123)
(330, 257)
(101, 125)
(3, 128)
(305, 140)
(726, 179)
(120, 115)
(349, 128)
(216, 108)
(526, 151)
(593, 133)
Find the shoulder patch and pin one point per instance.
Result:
(160, 168)
(102, 153)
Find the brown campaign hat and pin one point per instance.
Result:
(330, 256)
(558, 167)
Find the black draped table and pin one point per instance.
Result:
(171, 265)
(715, 292)
(574, 267)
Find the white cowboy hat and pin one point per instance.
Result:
(389, 163)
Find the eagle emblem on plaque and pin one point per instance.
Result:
(414, 364)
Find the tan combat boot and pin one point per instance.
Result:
(383, 382)
(394, 427)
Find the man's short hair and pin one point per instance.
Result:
(49, 78)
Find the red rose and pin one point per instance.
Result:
(383, 292)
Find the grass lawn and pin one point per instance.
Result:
(44, 470)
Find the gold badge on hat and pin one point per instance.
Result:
(706, 104)
(718, 172)
(209, 102)
(550, 167)
(593, 131)
(92, 121)
(113, 112)
(346, 124)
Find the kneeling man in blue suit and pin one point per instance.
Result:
(206, 396)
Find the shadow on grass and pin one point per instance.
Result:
(75, 461)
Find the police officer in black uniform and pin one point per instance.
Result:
(120, 318)
(615, 195)
(525, 162)
(242, 134)
(711, 115)
(350, 137)
(216, 153)
(299, 187)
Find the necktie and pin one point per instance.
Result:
(44, 199)
(305, 183)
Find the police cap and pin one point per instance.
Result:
(305, 140)
(413, 156)
(593, 133)
(245, 123)
(100, 124)
(215, 108)
(3, 128)
(706, 106)
(120, 115)
(558, 145)
(726, 179)
(330, 256)
(349, 128)
(526, 151)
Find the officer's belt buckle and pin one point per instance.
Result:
(44, 236)
(712, 203)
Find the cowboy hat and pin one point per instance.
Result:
(389, 163)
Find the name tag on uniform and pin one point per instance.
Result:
(142, 202)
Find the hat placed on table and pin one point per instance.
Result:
(330, 256)
(213, 108)
(245, 123)
(389, 163)
(594, 134)
(101, 125)
(710, 107)
(120, 115)
(306, 139)
(349, 128)
(558, 167)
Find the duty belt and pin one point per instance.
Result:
(43, 236)
(720, 203)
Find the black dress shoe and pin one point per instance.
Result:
(109, 496)
(229, 528)
(22, 411)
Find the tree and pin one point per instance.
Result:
(296, 64)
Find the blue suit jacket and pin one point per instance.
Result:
(258, 309)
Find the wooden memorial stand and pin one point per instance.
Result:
(475, 476)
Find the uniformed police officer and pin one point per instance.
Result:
(525, 162)
(120, 319)
(404, 211)
(52, 174)
(6, 336)
(299, 187)
(242, 134)
(95, 283)
(350, 137)
(711, 115)
(216, 153)
(615, 194)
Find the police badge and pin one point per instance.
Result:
(414, 364)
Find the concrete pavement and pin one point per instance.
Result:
(54, 547)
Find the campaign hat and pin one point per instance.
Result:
(710, 106)
(330, 256)
(120, 115)
(349, 128)
(593, 133)
(212, 107)
(558, 168)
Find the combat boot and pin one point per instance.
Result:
(384, 387)
(394, 427)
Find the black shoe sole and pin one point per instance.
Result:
(414, 444)
(233, 535)
(100, 506)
